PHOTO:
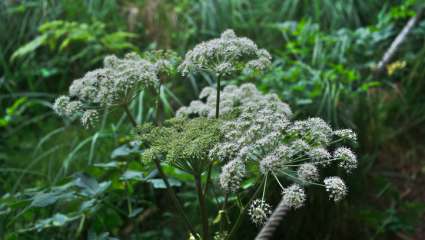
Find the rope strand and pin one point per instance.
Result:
(273, 222)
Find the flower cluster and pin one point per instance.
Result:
(257, 130)
(308, 172)
(347, 157)
(115, 84)
(225, 55)
(294, 196)
(259, 211)
(246, 98)
(231, 175)
(336, 188)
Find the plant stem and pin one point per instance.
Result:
(208, 178)
(242, 213)
(170, 191)
(157, 109)
(223, 209)
(173, 197)
(203, 207)
(129, 115)
(217, 103)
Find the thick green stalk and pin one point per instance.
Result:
(173, 197)
(170, 191)
(203, 208)
(217, 103)
(208, 178)
(130, 116)
(242, 213)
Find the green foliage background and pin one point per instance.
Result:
(324, 55)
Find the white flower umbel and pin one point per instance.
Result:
(294, 196)
(308, 172)
(225, 55)
(299, 146)
(336, 188)
(245, 98)
(90, 118)
(231, 175)
(258, 133)
(319, 155)
(347, 158)
(115, 84)
(259, 211)
(315, 130)
(346, 134)
(276, 160)
(61, 104)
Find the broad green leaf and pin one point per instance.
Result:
(132, 175)
(159, 183)
(126, 150)
(58, 220)
(89, 186)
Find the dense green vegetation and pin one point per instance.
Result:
(61, 181)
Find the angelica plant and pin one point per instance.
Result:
(237, 132)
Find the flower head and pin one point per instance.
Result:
(294, 196)
(114, 84)
(299, 146)
(308, 172)
(319, 155)
(231, 175)
(259, 211)
(336, 188)
(90, 118)
(347, 157)
(346, 134)
(224, 55)
(313, 130)
(61, 104)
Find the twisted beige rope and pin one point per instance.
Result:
(273, 222)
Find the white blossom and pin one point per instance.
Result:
(314, 130)
(113, 85)
(207, 91)
(308, 172)
(299, 146)
(347, 157)
(259, 211)
(336, 188)
(224, 69)
(257, 128)
(224, 55)
(90, 118)
(294, 196)
(60, 105)
(346, 134)
(73, 107)
(231, 175)
(320, 155)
